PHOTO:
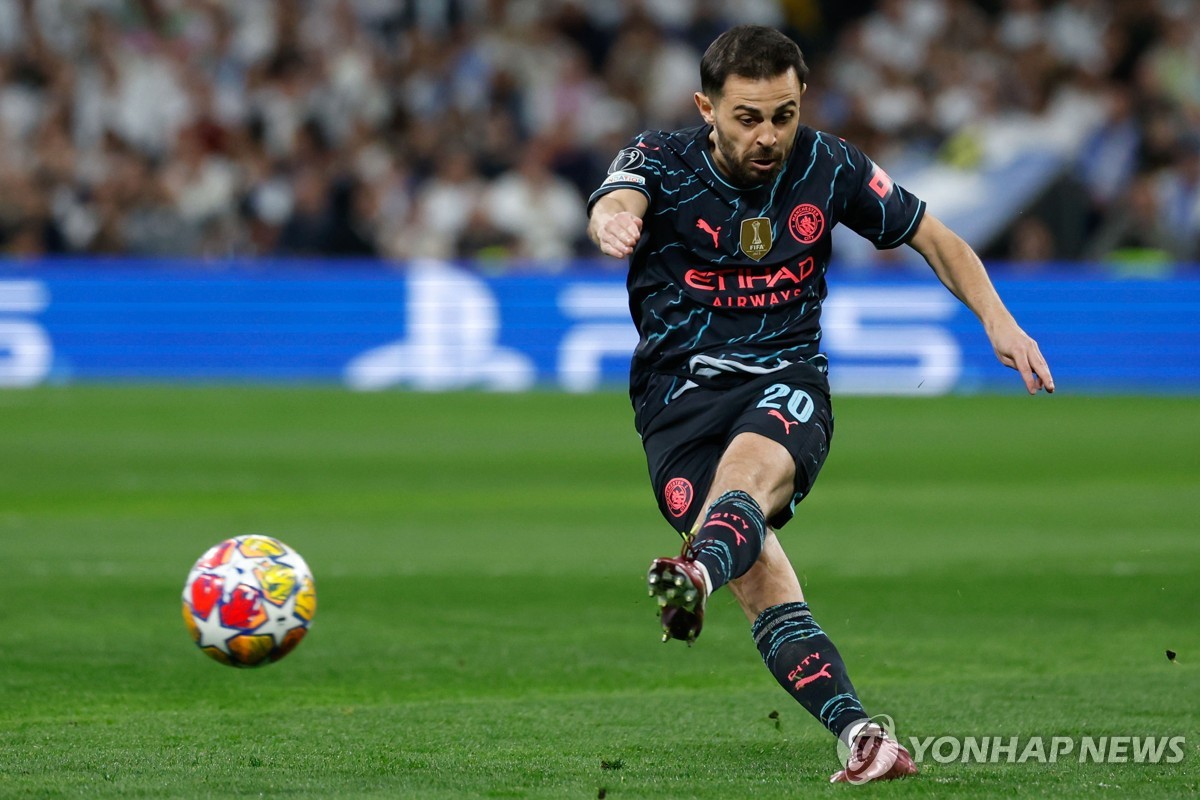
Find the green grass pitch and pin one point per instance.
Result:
(989, 566)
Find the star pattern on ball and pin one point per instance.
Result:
(213, 633)
(243, 611)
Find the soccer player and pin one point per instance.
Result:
(727, 228)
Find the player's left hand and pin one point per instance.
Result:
(1018, 350)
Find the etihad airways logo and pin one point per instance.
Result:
(749, 287)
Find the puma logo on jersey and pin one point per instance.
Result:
(704, 226)
(787, 426)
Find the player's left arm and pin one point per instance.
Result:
(959, 268)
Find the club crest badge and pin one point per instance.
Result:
(678, 496)
(756, 239)
(807, 223)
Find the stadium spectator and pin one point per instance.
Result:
(1178, 192)
(1108, 159)
(1138, 232)
(1031, 242)
(445, 205)
(541, 212)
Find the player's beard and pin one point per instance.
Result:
(740, 169)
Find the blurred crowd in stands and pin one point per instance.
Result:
(477, 128)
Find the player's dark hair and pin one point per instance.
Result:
(749, 51)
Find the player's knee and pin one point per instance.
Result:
(761, 463)
(770, 486)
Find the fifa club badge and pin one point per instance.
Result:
(756, 237)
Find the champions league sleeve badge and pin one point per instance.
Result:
(626, 160)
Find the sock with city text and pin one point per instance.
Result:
(807, 665)
(730, 538)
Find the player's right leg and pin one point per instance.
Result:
(740, 447)
(754, 472)
(681, 588)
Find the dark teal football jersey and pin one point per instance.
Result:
(729, 280)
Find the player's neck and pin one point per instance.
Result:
(714, 156)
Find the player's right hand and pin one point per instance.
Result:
(619, 234)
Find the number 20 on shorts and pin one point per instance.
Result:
(799, 402)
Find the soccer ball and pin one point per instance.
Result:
(249, 600)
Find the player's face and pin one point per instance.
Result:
(754, 125)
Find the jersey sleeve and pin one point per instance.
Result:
(877, 208)
(638, 166)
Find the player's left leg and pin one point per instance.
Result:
(809, 667)
(793, 646)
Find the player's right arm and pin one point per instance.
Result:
(615, 225)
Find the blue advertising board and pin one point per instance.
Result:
(437, 326)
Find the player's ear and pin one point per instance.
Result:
(803, 89)
(706, 107)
